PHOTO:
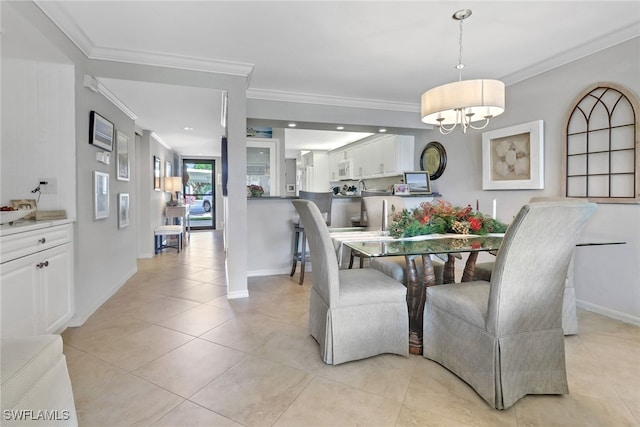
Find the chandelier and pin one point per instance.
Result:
(465, 101)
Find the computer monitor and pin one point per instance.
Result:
(418, 182)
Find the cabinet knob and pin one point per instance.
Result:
(43, 264)
(42, 240)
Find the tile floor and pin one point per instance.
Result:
(168, 349)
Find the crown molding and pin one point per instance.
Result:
(66, 24)
(56, 13)
(336, 101)
(160, 141)
(581, 51)
(173, 61)
(116, 101)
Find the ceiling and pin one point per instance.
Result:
(382, 54)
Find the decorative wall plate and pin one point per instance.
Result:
(433, 159)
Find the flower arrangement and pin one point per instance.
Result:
(254, 190)
(442, 217)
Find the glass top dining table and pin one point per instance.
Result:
(377, 244)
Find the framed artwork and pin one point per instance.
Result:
(100, 132)
(168, 169)
(513, 157)
(100, 195)
(123, 210)
(400, 189)
(157, 173)
(122, 152)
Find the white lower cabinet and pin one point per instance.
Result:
(37, 288)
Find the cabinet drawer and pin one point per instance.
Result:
(21, 244)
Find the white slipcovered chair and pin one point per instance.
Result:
(504, 337)
(353, 314)
(569, 318)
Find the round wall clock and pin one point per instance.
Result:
(433, 159)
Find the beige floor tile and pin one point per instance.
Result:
(253, 393)
(414, 417)
(189, 414)
(386, 375)
(433, 388)
(161, 309)
(131, 351)
(104, 326)
(572, 409)
(190, 367)
(327, 403)
(198, 320)
(295, 348)
(242, 334)
(201, 293)
(207, 276)
(108, 396)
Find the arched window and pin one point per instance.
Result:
(602, 146)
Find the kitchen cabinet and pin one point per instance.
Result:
(377, 156)
(263, 165)
(313, 171)
(37, 281)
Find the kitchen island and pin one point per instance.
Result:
(270, 234)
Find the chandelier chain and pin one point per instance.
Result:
(460, 64)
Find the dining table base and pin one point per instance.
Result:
(417, 290)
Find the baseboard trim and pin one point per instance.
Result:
(80, 319)
(274, 272)
(238, 294)
(623, 317)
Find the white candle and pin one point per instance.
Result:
(493, 215)
(384, 215)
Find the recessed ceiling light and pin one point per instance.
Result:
(187, 128)
(383, 130)
(292, 125)
(340, 127)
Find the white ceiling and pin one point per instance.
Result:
(383, 53)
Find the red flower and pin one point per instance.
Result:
(424, 219)
(475, 223)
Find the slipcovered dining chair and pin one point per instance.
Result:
(395, 266)
(353, 314)
(569, 318)
(504, 338)
(324, 201)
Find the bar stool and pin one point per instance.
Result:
(300, 254)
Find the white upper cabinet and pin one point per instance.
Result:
(376, 156)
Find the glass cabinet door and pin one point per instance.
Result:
(262, 155)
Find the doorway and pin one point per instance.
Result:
(199, 192)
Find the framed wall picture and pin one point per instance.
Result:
(157, 173)
(123, 210)
(401, 189)
(122, 153)
(168, 169)
(100, 132)
(513, 157)
(100, 195)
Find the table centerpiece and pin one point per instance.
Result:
(441, 217)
